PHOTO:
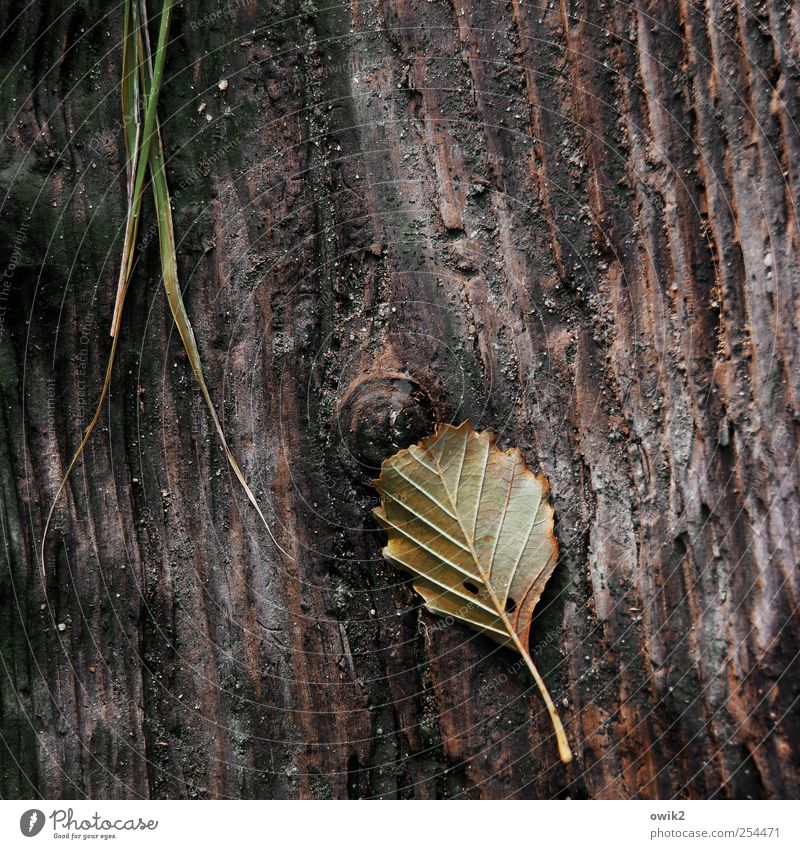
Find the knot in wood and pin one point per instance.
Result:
(380, 415)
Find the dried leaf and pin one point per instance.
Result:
(475, 527)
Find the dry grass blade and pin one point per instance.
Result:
(169, 271)
(138, 154)
(475, 527)
(132, 126)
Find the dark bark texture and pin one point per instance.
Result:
(572, 222)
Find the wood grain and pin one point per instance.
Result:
(573, 223)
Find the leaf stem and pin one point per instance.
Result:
(564, 751)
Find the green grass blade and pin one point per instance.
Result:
(143, 150)
(132, 125)
(130, 89)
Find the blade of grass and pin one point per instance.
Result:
(137, 168)
(132, 126)
(143, 158)
(130, 90)
(144, 148)
(169, 271)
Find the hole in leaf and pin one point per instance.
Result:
(511, 605)
(470, 587)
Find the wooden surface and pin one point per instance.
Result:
(573, 223)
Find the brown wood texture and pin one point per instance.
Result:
(574, 223)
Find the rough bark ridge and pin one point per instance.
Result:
(574, 223)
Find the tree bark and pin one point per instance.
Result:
(573, 223)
